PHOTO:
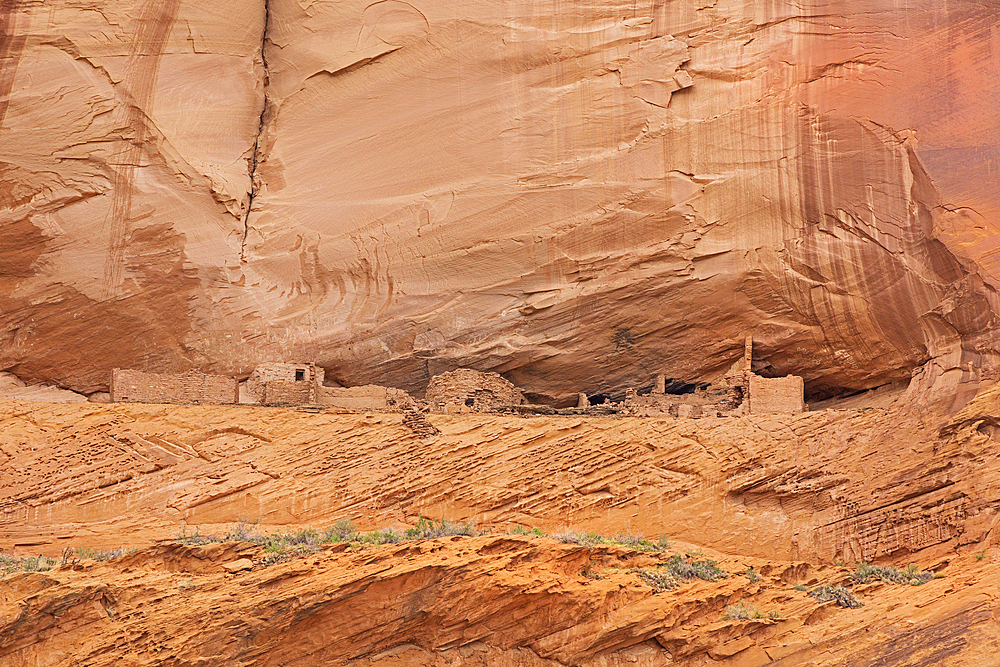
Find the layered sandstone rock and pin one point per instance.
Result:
(819, 486)
(574, 195)
(787, 495)
(496, 600)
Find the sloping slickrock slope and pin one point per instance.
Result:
(575, 194)
(480, 601)
(848, 485)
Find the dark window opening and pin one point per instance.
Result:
(470, 402)
(299, 375)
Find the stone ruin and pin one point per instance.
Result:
(466, 390)
(131, 386)
(283, 384)
(739, 392)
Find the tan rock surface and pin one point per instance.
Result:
(850, 485)
(495, 600)
(785, 494)
(574, 195)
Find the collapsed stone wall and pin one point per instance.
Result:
(475, 390)
(191, 387)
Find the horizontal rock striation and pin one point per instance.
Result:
(577, 196)
(819, 486)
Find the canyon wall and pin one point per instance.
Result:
(578, 195)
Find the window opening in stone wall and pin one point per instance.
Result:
(299, 375)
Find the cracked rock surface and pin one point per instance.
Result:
(578, 195)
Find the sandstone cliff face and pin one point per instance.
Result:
(576, 195)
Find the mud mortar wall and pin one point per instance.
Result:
(776, 395)
(138, 387)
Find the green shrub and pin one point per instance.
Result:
(684, 567)
(621, 538)
(38, 563)
(800, 587)
(746, 612)
(524, 530)
(843, 597)
(865, 573)
(660, 579)
(429, 528)
(343, 530)
(244, 531)
(387, 536)
(752, 575)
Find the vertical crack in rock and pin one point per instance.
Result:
(257, 156)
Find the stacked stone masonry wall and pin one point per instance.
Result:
(284, 392)
(473, 389)
(776, 395)
(280, 372)
(192, 387)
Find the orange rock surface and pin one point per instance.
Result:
(576, 195)
(789, 495)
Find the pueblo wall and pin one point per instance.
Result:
(473, 389)
(285, 392)
(272, 381)
(367, 397)
(191, 387)
(770, 395)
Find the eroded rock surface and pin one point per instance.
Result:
(850, 485)
(788, 495)
(576, 196)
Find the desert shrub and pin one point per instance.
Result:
(39, 563)
(685, 567)
(622, 538)
(343, 530)
(195, 537)
(387, 536)
(638, 543)
(280, 552)
(101, 554)
(660, 579)
(841, 595)
(865, 573)
(590, 573)
(752, 575)
(309, 536)
(524, 530)
(583, 539)
(244, 531)
(429, 528)
(746, 612)
(800, 587)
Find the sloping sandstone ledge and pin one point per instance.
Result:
(496, 600)
(785, 494)
(849, 485)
